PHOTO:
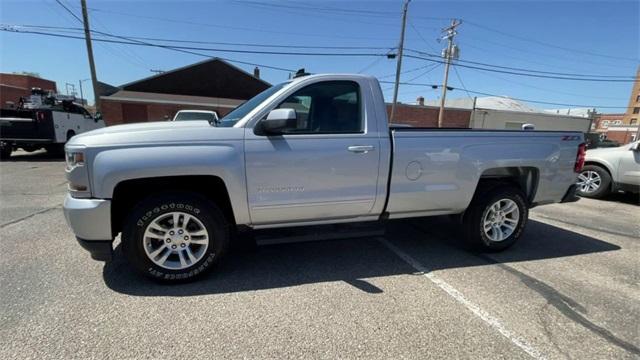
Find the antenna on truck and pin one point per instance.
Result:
(300, 73)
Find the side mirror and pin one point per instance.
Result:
(97, 117)
(636, 146)
(277, 122)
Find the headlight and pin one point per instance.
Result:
(74, 159)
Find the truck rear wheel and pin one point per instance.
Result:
(175, 237)
(495, 218)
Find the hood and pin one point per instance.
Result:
(604, 151)
(155, 132)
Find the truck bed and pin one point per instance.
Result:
(436, 171)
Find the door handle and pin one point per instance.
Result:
(361, 149)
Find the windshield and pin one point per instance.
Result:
(184, 116)
(238, 113)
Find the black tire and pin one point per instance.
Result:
(153, 208)
(605, 182)
(5, 152)
(473, 219)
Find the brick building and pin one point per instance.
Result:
(209, 85)
(602, 122)
(14, 86)
(633, 110)
(622, 134)
(427, 116)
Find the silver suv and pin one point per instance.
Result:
(610, 169)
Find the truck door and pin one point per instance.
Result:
(324, 168)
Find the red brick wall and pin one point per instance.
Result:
(423, 116)
(623, 137)
(27, 82)
(11, 94)
(598, 121)
(14, 86)
(113, 115)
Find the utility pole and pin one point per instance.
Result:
(448, 54)
(81, 94)
(405, 6)
(73, 89)
(92, 65)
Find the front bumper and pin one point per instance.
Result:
(90, 221)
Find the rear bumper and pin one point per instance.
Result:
(571, 196)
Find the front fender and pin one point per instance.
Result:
(224, 160)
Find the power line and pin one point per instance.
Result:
(455, 69)
(544, 88)
(433, 67)
(317, 12)
(338, 11)
(407, 71)
(420, 36)
(526, 74)
(239, 28)
(523, 69)
(528, 50)
(521, 38)
(435, 86)
(240, 51)
(538, 73)
(151, 45)
(69, 11)
(262, 45)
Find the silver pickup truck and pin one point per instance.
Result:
(310, 151)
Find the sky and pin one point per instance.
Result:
(580, 37)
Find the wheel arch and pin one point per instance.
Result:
(128, 193)
(525, 178)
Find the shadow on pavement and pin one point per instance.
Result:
(433, 241)
(36, 156)
(623, 197)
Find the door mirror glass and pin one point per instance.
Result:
(277, 122)
(636, 146)
(97, 117)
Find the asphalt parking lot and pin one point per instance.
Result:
(569, 289)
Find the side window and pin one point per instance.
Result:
(85, 113)
(326, 107)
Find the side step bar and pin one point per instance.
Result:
(317, 233)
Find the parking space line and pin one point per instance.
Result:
(15, 221)
(545, 219)
(460, 298)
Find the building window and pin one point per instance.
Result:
(633, 122)
(638, 98)
(605, 123)
(617, 122)
(636, 110)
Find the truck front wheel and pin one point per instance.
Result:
(5, 151)
(175, 237)
(496, 218)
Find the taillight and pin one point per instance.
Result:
(582, 153)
